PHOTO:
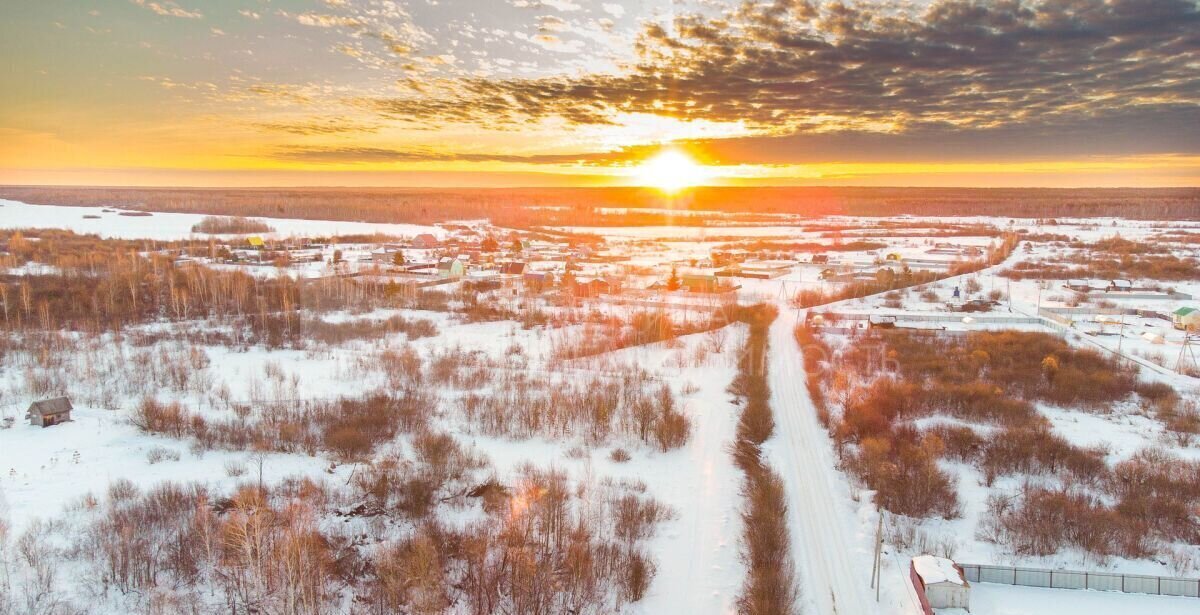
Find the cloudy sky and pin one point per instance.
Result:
(579, 92)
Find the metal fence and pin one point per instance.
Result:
(1069, 579)
(948, 317)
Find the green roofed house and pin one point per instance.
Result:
(1186, 318)
(450, 268)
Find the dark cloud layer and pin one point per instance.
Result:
(1047, 71)
(358, 155)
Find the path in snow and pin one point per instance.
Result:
(831, 563)
(699, 570)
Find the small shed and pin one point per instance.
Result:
(940, 584)
(1120, 285)
(878, 321)
(1186, 318)
(49, 412)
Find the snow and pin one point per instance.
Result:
(832, 560)
(174, 226)
(936, 570)
(992, 599)
(44, 470)
(697, 553)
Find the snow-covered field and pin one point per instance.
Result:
(47, 473)
(172, 226)
(991, 599)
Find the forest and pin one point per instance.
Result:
(532, 207)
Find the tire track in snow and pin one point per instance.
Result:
(833, 579)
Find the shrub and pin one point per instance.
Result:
(159, 454)
(1042, 522)
(672, 430)
(234, 469)
(164, 418)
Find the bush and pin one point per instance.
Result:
(159, 454)
(1039, 451)
(904, 474)
(619, 455)
(164, 418)
(1043, 522)
(672, 430)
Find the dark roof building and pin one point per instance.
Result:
(425, 241)
(49, 412)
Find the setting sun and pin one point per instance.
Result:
(671, 171)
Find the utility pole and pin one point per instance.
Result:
(876, 581)
(1185, 352)
(1121, 335)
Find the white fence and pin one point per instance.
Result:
(1069, 579)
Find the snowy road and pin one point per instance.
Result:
(832, 562)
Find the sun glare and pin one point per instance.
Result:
(671, 171)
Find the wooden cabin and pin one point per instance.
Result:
(49, 412)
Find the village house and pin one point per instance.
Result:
(450, 268)
(424, 241)
(700, 281)
(387, 255)
(49, 412)
(591, 287)
(512, 268)
(1079, 284)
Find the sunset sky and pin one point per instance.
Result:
(580, 92)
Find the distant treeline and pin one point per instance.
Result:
(529, 207)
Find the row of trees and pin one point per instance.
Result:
(887, 280)
(770, 586)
